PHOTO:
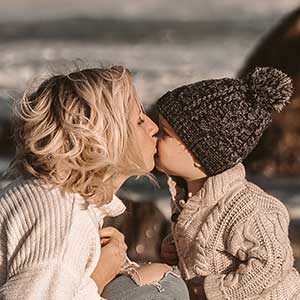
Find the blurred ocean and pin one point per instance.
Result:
(161, 54)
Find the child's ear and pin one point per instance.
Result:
(183, 146)
(199, 166)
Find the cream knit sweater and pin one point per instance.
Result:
(49, 245)
(235, 235)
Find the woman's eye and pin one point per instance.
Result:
(140, 121)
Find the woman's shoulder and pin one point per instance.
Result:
(34, 201)
(30, 204)
(41, 220)
(23, 191)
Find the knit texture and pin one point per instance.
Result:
(236, 236)
(49, 245)
(221, 120)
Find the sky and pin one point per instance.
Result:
(20, 10)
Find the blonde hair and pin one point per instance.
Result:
(74, 132)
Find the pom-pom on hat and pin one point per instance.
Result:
(221, 120)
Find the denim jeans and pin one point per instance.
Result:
(170, 287)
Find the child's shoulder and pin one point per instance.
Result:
(253, 198)
(250, 204)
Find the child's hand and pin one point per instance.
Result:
(168, 251)
(112, 258)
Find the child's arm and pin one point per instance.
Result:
(261, 244)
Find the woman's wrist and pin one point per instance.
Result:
(101, 280)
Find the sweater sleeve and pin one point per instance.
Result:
(51, 281)
(48, 246)
(88, 291)
(262, 246)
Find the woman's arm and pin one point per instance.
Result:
(112, 258)
(51, 280)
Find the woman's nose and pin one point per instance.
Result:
(153, 128)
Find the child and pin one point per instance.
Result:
(226, 230)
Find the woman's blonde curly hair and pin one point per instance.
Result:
(74, 132)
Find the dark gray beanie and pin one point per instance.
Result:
(221, 120)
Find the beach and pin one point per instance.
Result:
(162, 54)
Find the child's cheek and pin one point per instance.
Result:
(167, 147)
(160, 147)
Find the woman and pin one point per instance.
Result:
(79, 137)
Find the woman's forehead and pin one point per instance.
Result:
(137, 107)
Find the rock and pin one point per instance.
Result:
(294, 231)
(6, 140)
(144, 227)
(278, 152)
(297, 264)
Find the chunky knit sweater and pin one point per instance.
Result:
(49, 244)
(234, 235)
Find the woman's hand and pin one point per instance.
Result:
(168, 251)
(112, 258)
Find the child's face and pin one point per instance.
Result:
(173, 157)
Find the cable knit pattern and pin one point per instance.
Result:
(236, 236)
(49, 244)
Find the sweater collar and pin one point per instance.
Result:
(213, 189)
(112, 209)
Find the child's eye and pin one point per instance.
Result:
(164, 133)
(140, 120)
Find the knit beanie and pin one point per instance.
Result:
(221, 120)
